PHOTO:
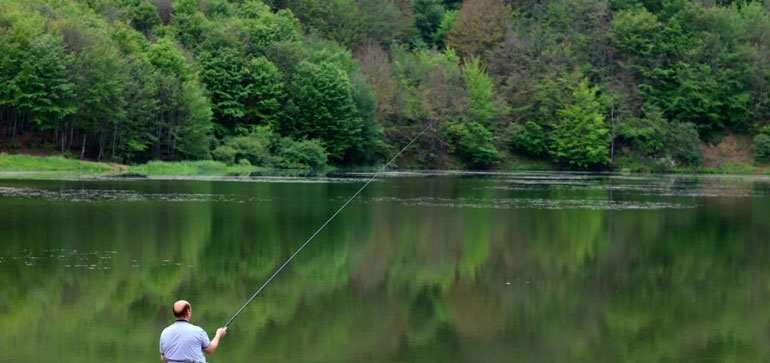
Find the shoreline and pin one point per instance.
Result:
(31, 167)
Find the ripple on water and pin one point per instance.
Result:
(82, 260)
(532, 203)
(98, 195)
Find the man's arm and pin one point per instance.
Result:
(162, 358)
(215, 342)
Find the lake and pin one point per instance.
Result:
(423, 267)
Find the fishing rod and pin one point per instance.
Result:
(326, 223)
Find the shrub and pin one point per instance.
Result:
(528, 137)
(254, 147)
(683, 143)
(762, 149)
(473, 143)
(646, 134)
(225, 154)
(301, 154)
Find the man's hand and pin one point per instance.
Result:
(215, 342)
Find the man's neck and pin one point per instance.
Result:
(184, 320)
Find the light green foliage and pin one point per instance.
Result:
(693, 65)
(473, 143)
(761, 149)
(322, 107)
(225, 154)
(683, 144)
(300, 154)
(50, 163)
(260, 27)
(580, 136)
(191, 130)
(481, 107)
(190, 24)
(133, 80)
(264, 92)
(447, 21)
(167, 58)
(254, 147)
(42, 87)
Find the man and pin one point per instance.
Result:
(184, 342)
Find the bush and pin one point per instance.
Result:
(683, 143)
(254, 147)
(762, 149)
(225, 154)
(301, 154)
(646, 134)
(528, 137)
(473, 143)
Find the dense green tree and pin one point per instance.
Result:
(131, 80)
(683, 143)
(428, 15)
(762, 149)
(264, 92)
(321, 106)
(223, 73)
(145, 17)
(473, 143)
(42, 88)
(481, 106)
(580, 135)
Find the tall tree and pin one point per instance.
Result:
(322, 107)
(479, 27)
(580, 136)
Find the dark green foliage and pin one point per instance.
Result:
(145, 17)
(683, 143)
(264, 92)
(528, 137)
(428, 15)
(647, 133)
(223, 73)
(761, 149)
(473, 143)
(569, 81)
(262, 147)
(322, 107)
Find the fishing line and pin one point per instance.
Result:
(326, 223)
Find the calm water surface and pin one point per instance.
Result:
(528, 267)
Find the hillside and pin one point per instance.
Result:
(587, 84)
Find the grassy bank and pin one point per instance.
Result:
(57, 167)
(52, 167)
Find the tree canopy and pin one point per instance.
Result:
(583, 84)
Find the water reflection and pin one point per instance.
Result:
(424, 268)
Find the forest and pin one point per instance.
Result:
(578, 84)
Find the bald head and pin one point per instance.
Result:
(182, 309)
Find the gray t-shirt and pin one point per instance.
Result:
(183, 341)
